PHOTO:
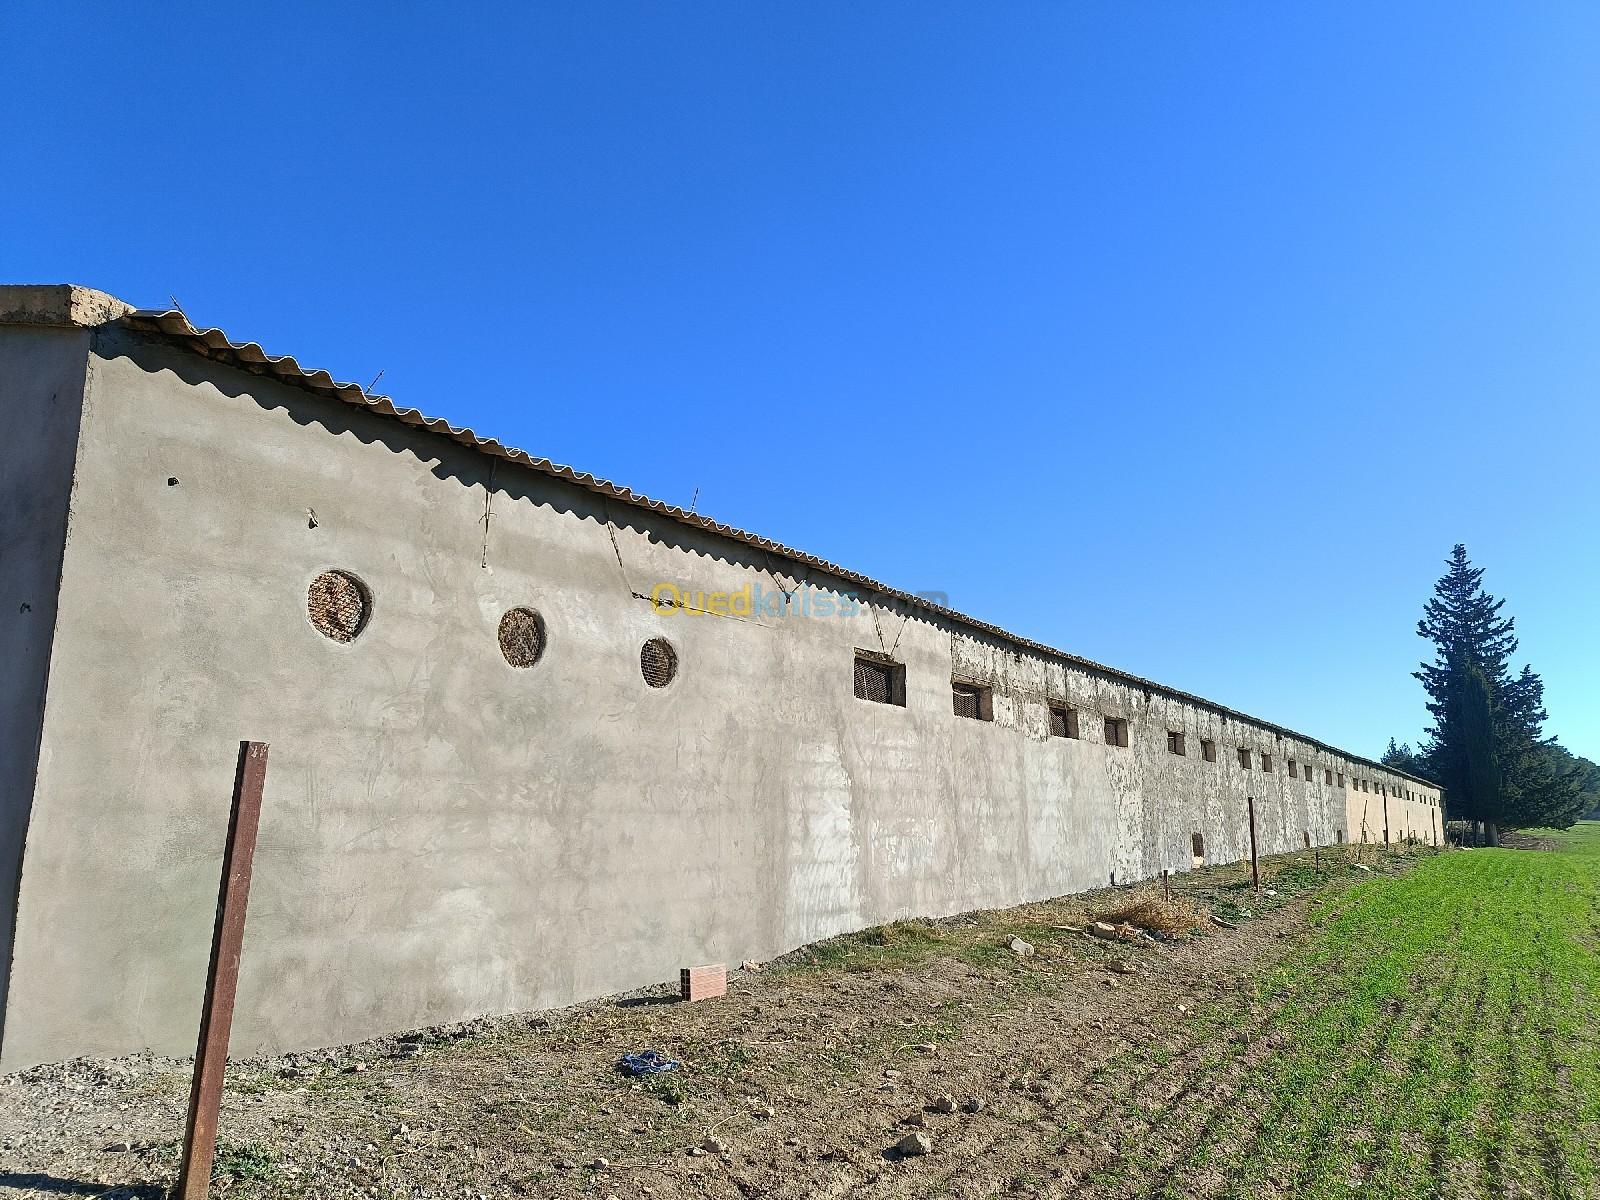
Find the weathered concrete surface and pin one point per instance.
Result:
(41, 397)
(444, 835)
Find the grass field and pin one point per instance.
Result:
(1436, 1035)
(1418, 1025)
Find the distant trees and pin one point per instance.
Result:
(1404, 758)
(1486, 743)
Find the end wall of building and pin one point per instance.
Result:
(41, 398)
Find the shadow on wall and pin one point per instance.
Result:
(471, 468)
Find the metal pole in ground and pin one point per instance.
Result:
(222, 979)
(1166, 887)
(1255, 867)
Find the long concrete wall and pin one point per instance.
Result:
(444, 835)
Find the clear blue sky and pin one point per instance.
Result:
(1187, 337)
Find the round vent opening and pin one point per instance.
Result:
(522, 637)
(658, 662)
(338, 605)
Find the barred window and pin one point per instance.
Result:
(1116, 732)
(972, 701)
(1063, 721)
(879, 679)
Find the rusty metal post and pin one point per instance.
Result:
(1166, 887)
(222, 979)
(1255, 866)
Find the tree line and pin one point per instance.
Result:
(1486, 745)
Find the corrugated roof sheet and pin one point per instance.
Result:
(213, 343)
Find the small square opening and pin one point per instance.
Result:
(1175, 742)
(879, 679)
(1116, 732)
(1266, 763)
(1244, 757)
(972, 701)
(1063, 720)
(1208, 750)
(1198, 844)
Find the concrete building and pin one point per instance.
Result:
(512, 764)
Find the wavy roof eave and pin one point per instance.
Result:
(249, 356)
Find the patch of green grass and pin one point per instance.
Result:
(243, 1164)
(1437, 1032)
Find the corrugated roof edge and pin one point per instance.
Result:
(98, 308)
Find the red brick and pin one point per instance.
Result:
(704, 983)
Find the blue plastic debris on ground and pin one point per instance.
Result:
(647, 1062)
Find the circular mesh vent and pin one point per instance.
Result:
(337, 605)
(522, 637)
(658, 661)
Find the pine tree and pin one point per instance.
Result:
(1473, 709)
(1514, 778)
(1402, 757)
(1467, 631)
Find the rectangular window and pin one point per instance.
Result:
(1327, 775)
(880, 679)
(1294, 768)
(1198, 844)
(1208, 750)
(973, 701)
(1175, 742)
(1244, 757)
(1116, 731)
(1266, 762)
(1341, 778)
(1063, 721)
(1308, 773)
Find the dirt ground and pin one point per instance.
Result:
(1089, 1067)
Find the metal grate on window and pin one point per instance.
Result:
(338, 606)
(658, 662)
(1058, 721)
(966, 700)
(522, 637)
(874, 681)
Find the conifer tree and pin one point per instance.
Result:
(1492, 758)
